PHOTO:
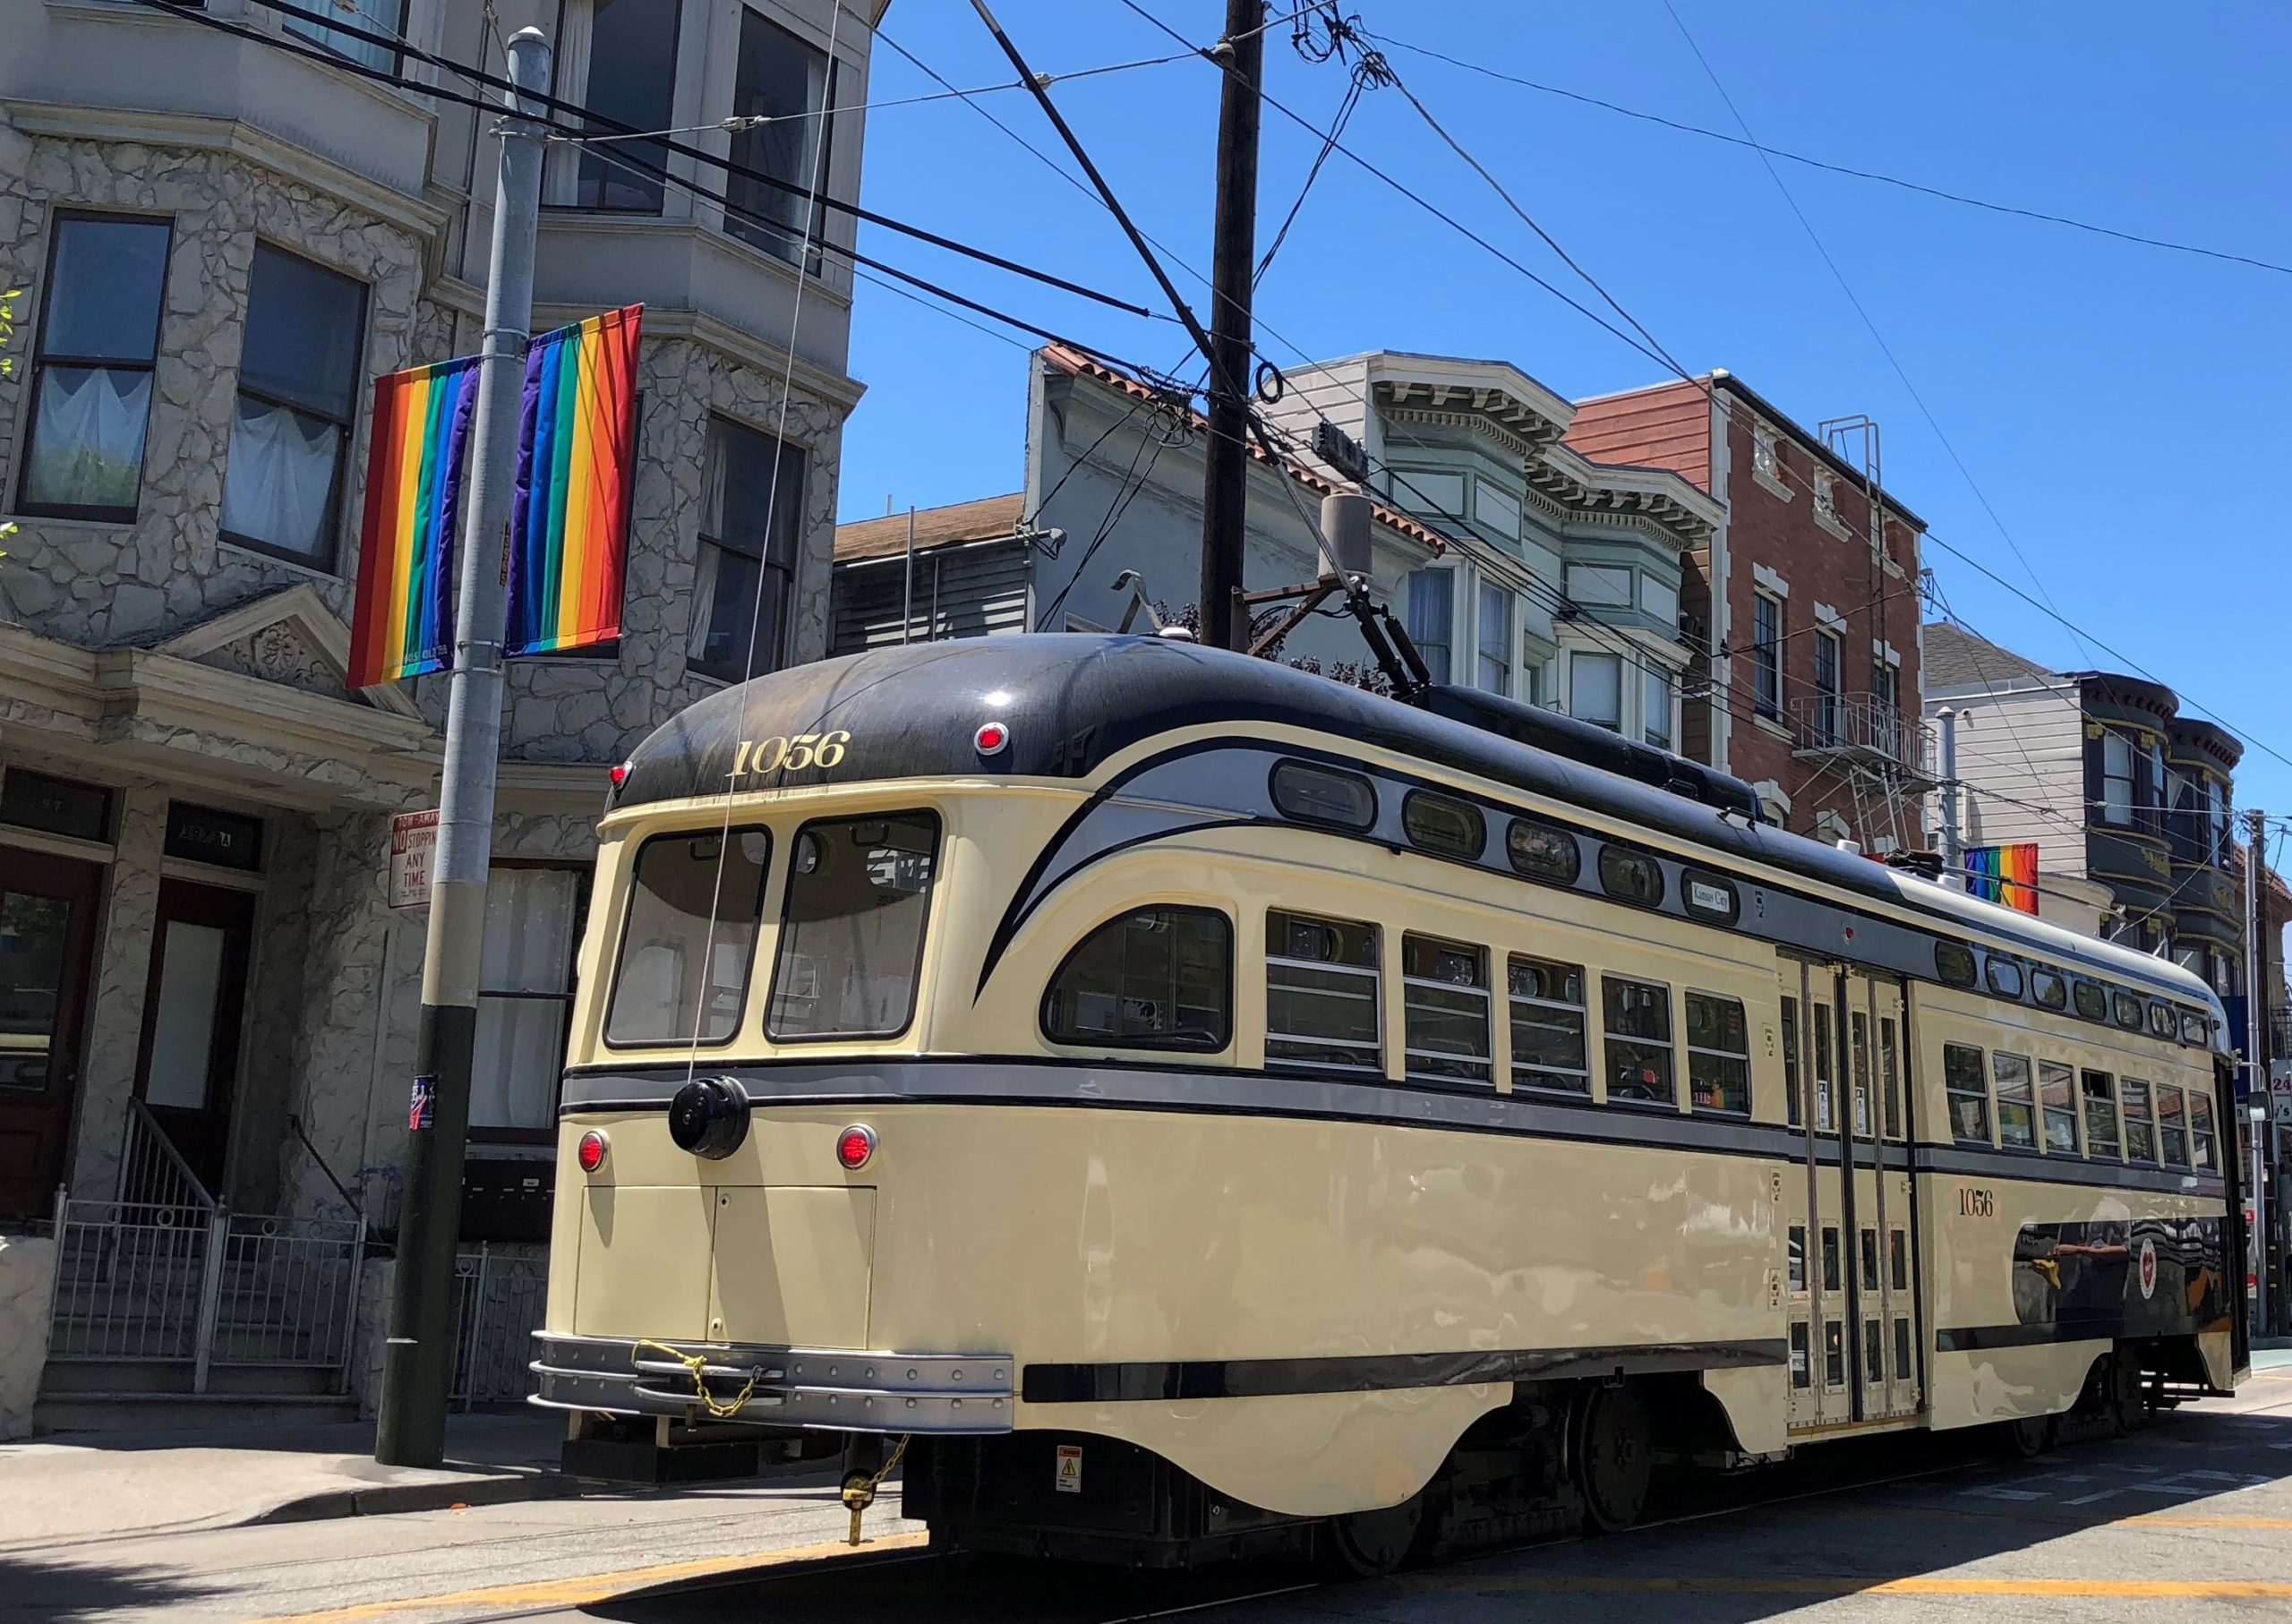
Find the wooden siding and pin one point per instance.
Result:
(2022, 758)
(959, 592)
(1666, 426)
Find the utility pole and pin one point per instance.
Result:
(1225, 494)
(2260, 1109)
(1953, 855)
(418, 1359)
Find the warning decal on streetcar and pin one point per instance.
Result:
(1069, 1480)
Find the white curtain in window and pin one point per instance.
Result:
(280, 474)
(520, 1041)
(372, 16)
(1595, 689)
(88, 446)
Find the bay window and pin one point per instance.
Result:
(2117, 796)
(91, 370)
(1595, 689)
(366, 16)
(1656, 717)
(1430, 615)
(752, 506)
(1496, 637)
(298, 389)
(632, 62)
(779, 78)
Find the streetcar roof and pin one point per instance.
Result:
(1071, 701)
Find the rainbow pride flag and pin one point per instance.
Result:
(417, 463)
(2005, 874)
(568, 533)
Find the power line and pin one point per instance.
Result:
(1852, 298)
(189, 10)
(1836, 168)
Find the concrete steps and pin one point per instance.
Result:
(111, 1412)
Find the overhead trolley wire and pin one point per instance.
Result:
(1919, 187)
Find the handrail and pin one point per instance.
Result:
(352, 1201)
(145, 1147)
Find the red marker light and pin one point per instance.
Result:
(992, 739)
(854, 1146)
(620, 773)
(591, 1151)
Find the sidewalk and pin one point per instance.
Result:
(74, 1488)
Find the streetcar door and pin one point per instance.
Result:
(1874, 1143)
(1819, 1324)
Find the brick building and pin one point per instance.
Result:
(1805, 624)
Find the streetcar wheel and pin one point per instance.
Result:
(2129, 1396)
(1614, 1458)
(2026, 1437)
(1370, 1544)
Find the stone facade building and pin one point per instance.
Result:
(1804, 613)
(223, 232)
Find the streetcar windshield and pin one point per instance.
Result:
(694, 904)
(851, 946)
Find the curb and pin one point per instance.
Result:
(386, 1499)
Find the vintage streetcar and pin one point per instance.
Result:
(1195, 1108)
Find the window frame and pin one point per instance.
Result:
(2051, 1073)
(328, 562)
(1291, 764)
(1409, 1051)
(922, 934)
(1577, 657)
(309, 33)
(1829, 695)
(1957, 1089)
(2024, 1098)
(1669, 1043)
(2147, 1120)
(628, 917)
(1687, 997)
(1149, 1045)
(2103, 810)
(1514, 1002)
(2099, 1013)
(2105, 1097)
(1947, 952)
(1574, 847)
(2040, 976)
(42, 358)
(1416, 842)
(2172, 1119)
(1622, 852)
(584, 885)
(1654, 683)
(573, 191)
(1490, 591)
(1373, 973)
(799, 248)
(774, 652)
(1766, 657)
(2203, 1141)
(1999, 968)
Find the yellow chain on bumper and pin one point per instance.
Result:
(696, 1365)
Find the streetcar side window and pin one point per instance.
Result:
(2172, 1126)
(1445, 1002)
(2195, 1027)
(2200, 1131)
(2126, 1009)
(1443, 825)
(2100, 1116)
(2161, 1023)
(1543, 852)
(2140, 1127)
(2048, 990)
(1791, 1079)
(2058, 1098)
(1637, 1022)
(851, 938)
(2016, 1119)
(2092, 1002)
(1955, 962)
(1968, 1089)
(1632, 876)
(1323, 795)
(1718, 1055)
(1547, 1004)
(1323, 1004)
(694, 901)
(2005, 977)
(1155, 978)
(1859, 1051)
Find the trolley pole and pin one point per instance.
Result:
(1946, 720)
(1225, 504)
(418, 1358)
(2260, 1111)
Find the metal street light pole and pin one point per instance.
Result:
(418, 1358)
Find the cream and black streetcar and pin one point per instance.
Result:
(1202, 1108)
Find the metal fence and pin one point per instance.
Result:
(498, 1302)
(166, 1275)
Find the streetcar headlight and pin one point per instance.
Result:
(709, 1117)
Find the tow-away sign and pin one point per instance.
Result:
(414, 837)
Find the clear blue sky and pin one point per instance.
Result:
(2122, 407)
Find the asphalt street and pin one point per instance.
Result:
(2194, 1514)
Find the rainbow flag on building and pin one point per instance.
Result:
(569, 533)
(418, 463)
(2005, 874)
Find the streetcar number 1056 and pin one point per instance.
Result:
(1976, 1203)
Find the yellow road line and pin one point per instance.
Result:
(2201, 1590)
(594, 1586)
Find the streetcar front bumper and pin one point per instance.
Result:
(836, 1389)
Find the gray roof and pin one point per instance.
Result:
(1954, 657)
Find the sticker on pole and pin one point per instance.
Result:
(2147, 1256)
(422, 1110)
(1069, 1480)
(413, 838)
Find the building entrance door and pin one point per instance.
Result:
(48, 939)
(188, 1069)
